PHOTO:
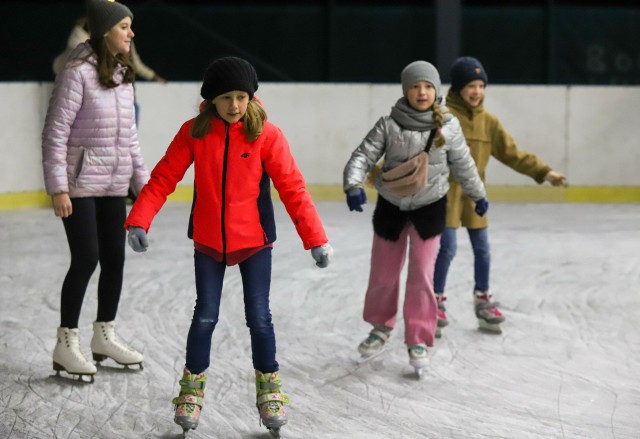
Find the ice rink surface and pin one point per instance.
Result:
(566, 366)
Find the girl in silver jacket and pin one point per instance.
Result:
(90, 156)
(417, 219)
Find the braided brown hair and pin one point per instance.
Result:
(438, 117)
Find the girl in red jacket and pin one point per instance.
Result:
(236, 152)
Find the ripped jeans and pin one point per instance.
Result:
(256, 283)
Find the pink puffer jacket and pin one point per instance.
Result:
(90, 142)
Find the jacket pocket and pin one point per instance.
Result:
(80, 163)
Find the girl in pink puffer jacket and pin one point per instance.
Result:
(90, 156)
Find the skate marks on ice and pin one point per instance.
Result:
(564, 366)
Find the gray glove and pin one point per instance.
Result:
(138, 239)
(322, 254)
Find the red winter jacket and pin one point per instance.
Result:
(232, 208)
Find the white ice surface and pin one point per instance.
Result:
(566, 366)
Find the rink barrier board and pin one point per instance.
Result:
(500, 194)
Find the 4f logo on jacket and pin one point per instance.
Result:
(245, 155)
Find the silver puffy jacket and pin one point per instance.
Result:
(398, 145)
(90, 142)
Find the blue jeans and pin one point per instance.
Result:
(256, 283)
(481, 258)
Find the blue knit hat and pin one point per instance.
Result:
(464, 70)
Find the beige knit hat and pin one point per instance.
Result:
(102, 15)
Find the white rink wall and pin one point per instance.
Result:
(589, 133)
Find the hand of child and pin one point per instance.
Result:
(482, 205)
(62, 206)
(556, 179)
(322, 254)
(356, 197)
(138, 239)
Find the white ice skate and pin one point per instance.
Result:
(374, 344)
(418, 358)
(105, 344)
(67, 355)
(487, 312)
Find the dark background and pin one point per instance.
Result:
(532, 42)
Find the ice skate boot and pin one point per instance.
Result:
(270, 401)
(105, 344)
(189, 401)
(418, 358)
(67, 355)
(442, 316)
(487, 312)
(374, 343)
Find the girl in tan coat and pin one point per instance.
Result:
(486, 137)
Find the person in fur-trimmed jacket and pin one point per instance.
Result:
(90, 156)
(419, 218)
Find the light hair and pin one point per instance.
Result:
(253, 120)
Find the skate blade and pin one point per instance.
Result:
(70, 377)
(99, 358)
(364, 358)
(491, 328)
(438, 332)
(419, 371)
(275, 431)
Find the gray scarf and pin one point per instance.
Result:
(411, 119)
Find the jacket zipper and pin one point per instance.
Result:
(224, 192)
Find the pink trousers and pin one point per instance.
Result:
(383, 292)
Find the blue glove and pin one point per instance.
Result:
(138, 239)
(322, 254)
(356, 197)
(482, 206)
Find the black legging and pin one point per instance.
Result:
(95, 234)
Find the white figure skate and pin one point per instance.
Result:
(105, 344)
(67, 356)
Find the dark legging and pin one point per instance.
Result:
(95, 234)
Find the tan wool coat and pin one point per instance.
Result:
(486, 137)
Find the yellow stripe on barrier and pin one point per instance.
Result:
(496, 194)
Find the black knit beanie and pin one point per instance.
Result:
(102, 15)
(464, 70)
(229, 74)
